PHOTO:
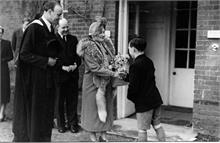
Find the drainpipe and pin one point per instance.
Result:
(62, 3)
(137, 18)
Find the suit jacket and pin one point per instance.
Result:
(68, 57)
(142, 88)
(16, 41)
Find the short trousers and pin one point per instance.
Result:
(151, 117)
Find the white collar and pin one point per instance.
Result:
(47, 23)
(60, 35)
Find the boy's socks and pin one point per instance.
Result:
(142, 136)
(160, 134)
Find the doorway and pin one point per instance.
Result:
(169, 27)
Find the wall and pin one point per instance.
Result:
(206, 110)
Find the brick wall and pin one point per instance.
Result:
(206, 110)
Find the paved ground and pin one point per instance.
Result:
(7, 136)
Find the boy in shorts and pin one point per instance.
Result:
(142, 91)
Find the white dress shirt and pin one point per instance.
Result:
(47, 23)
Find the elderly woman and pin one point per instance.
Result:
(97, 52)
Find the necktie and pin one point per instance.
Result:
(64, 38)
(51, 28)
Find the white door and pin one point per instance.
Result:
(183, 54)
(155, 26)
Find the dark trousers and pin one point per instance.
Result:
(67, 98)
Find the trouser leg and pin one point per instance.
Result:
(72, 102)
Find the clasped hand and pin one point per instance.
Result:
(69, 68)
(52, 61)
(120, 74)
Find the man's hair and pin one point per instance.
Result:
(50, 5)
(2, 28)
(139, 43)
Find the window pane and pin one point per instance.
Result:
(182, 19)
(193, 18)
(194, 4)
(192, 59)
(193, 39)
(180, 59)
(181, 39)
(183, 5)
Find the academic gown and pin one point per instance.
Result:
(34, 91)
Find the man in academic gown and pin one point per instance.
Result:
(35, 86)
(67, 85)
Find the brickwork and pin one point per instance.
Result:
(206, 110)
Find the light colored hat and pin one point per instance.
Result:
(95, 27)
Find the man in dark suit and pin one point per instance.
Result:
(6, 56)
(67, 85)
(17, 37)
(35, 85)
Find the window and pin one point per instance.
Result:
(185, 44)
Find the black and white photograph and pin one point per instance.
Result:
(110, 70)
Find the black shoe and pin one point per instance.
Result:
(74, 128)
(62, 130)
(3, 118)
(102, 140)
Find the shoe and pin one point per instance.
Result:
(3, 118)
(102, 140)
(74, 128)
(62, 130)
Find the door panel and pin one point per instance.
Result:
(183, 86)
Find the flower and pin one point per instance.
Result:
(119, 63)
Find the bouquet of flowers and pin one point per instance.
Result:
(120, 64)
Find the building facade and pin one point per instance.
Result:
(183, 42)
